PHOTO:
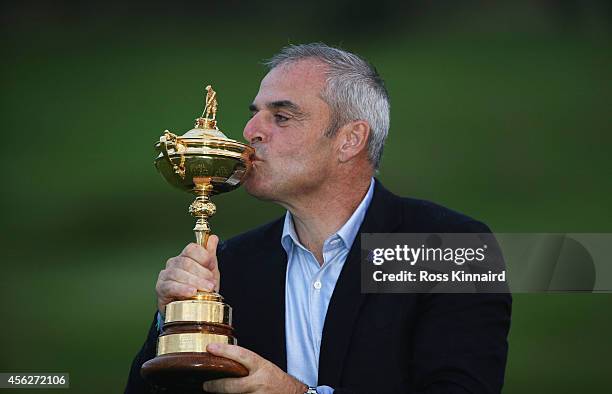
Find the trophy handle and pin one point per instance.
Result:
(166, 139)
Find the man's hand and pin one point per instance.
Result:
(194, 269)
(264, 377)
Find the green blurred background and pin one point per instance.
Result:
(500, 110)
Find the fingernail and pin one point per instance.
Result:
(213, 347)
(209, 286)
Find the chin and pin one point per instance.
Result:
(256, 189)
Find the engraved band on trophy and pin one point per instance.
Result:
(204, 162)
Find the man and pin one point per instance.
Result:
(319, 123)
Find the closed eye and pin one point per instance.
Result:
(254, 110)
(280, 118)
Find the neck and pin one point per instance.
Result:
(318, 215)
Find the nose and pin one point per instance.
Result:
(253, 130)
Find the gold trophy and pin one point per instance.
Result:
(204, 162)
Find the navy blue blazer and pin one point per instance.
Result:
(371, 343)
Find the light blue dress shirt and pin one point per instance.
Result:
(308, 290)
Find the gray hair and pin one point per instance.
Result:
(354, 91)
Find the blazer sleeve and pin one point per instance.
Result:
(136, 384)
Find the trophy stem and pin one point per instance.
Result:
(201, 234)
(202, 209)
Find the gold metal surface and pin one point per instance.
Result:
(199, 310)
(169, 139)
(189, 342)
(208, 296)
(210, 107)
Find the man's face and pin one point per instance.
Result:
(287, 128)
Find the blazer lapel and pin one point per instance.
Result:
(383, 215)
(276, 306)
(274, 322)
(261, 327)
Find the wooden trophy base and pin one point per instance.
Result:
(182, 363)
(189, 370)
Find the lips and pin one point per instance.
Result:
(255, 157)
(255, 160)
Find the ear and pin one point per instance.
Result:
(352, 140)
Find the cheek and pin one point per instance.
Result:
(286, 152)
(311, 162)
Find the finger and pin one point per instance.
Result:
(170, 289)
(228, 385)
(190, 265)
(237, 353)
(181, 276)
(197, 253)
(211, 248)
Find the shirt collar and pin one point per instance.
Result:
(347, 232)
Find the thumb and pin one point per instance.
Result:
(211, 247)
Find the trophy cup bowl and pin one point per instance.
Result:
(207, 157)
(204, 162)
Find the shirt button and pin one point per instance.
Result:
(317, 285)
